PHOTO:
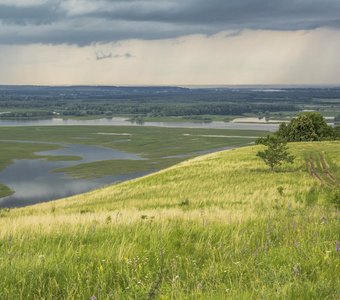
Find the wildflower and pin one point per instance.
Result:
(93, 298)
(337, 247)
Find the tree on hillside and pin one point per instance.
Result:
(308, 126)
(276, 152)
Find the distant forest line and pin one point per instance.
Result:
(35, 102)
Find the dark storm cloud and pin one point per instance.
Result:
(229, 13)
(35, 15)
(84, 22)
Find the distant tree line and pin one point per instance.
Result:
(80, 108)
(163, 101)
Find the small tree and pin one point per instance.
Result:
(276, 153)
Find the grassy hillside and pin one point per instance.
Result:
(219, 226)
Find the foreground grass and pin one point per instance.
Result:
(216, 227)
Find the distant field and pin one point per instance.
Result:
(160, 147)
(219, 226)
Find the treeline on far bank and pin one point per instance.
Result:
(30, 102)
(108, 108)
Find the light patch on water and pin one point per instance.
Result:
(123, 122)
(114, 134)
(91, 153)
(257, 120)
(221, 136)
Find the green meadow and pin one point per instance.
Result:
(219, 226)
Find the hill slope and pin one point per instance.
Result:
(218, 226)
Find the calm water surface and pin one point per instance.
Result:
(33, 180)
(124, 122)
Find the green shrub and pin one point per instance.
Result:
(308, 126)
(280, 190)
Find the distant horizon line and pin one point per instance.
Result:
(189, 86)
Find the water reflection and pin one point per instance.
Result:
(123, 122)
(33, 180)
(90, 153)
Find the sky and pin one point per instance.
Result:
(170, 42)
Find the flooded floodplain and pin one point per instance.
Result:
(34, 181)
(43, 163)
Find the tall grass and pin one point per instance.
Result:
(216, 227)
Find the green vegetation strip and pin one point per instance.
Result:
(61, 158)
(5, 191)
(116, 167)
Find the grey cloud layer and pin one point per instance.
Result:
(84, 22)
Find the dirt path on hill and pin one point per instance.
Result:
(323, 173)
